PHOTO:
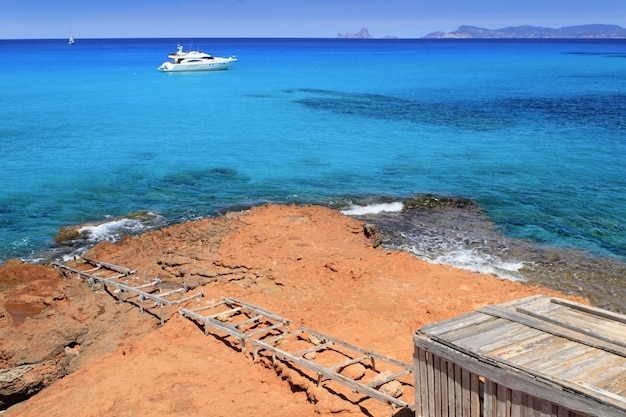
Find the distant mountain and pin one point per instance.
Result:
(526, 32)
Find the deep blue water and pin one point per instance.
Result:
(534, 131)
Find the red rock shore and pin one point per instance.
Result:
(309, 263)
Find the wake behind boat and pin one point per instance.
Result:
(195, 61)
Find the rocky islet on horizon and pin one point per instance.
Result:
(361, 34)
(592, 31)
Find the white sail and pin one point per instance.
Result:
(71, 40)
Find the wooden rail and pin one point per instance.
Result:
(264, 330)
(108, 273)
(260, 327)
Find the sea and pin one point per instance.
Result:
(498, 156)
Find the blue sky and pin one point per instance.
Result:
(288, 18)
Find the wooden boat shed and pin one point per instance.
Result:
(534, 357)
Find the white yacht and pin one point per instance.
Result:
(195, 61)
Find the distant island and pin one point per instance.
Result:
(533, 32)
(362, 34)
(595, 31)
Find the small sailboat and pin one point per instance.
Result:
(71, 39)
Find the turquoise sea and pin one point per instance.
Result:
(511, 153)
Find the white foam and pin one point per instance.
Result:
(110, 231)
(355, 210)
(481, 263)
(74, 254)
(470, 260)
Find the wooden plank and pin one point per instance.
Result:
(577, 328)
(450, 389)
(126, 288)
(458, 390)
(529, 409)
(437, 386)
(466, 390)
(250, 307)
(355, 385)
(249, 320)
(488, 404)
(527, 357)
(490, 335)
(586, 365)
(382, 381)
(526, 406)
(546, 409)
(443, 385)
(371, 353)
(582, 321)
(601, 374)
(562, 412)
(283, 336)
(506, 344)
(516, 403)
(118, 268)
(537, 402)
(504, 401)
(225, 314)
(265, 329)
(601, 321)
(583, 357)
(352, 361)
(430, 378)
(556, 353)
(421, 381)
(456, 323)
(182, 290)
(313, 349)
(474, 395)
(419, 364)
(554, 329)
(224, 328)
(613, 380)
(592, 310)
(73, 270)
(466, 333)
(189, 297)
(602, 392)
(208, 307)
(518, 351)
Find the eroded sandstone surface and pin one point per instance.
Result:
(310, 264)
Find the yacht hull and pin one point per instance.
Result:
(215, 64)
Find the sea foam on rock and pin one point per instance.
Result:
(104, 230)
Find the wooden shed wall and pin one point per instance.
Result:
(537, 357)
(445, 389)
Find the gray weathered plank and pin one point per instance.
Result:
(554, 329)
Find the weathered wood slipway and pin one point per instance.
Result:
(537, 356)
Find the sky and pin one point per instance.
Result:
(34, 19)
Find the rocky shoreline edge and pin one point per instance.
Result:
(61, 339)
